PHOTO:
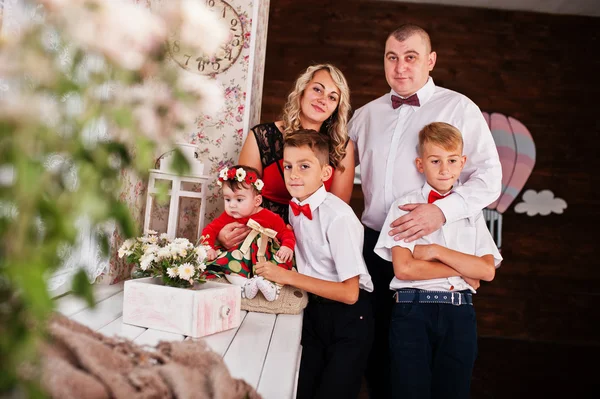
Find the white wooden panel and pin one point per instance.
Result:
(278, 377)
(153, 337)
(105, 312)
(119, 329)
(246, 354)
(221, 341)
(297, 371)
(69, 304)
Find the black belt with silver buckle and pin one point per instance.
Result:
(421, 296)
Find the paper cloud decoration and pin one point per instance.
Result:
(543, 203)
(517, 156)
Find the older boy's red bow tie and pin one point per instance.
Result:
(305, 209)
(411, 100)
(434, 196)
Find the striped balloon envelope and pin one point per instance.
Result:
(516, 149)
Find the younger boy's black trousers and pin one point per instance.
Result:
(336, 339)
(433, 347)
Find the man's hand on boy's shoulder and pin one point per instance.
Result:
(421, 220)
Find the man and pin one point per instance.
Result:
(385, 134)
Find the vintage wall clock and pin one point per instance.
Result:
(225, 56)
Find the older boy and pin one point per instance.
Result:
(433, 332)
(337, 328)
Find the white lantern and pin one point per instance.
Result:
(191, 154)
(193, 186)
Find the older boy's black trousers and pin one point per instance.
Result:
(336, 339)
(382, 299)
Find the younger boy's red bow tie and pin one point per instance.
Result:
(297, 209)
(411, 100)
(434, 196)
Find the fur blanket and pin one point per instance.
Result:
(80, 363)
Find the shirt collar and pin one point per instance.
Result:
(427, 188)
(424, 93)
(315, 199)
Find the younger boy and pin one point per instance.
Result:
(337, 328)
(433, 332)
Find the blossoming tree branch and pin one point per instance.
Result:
(77, 65)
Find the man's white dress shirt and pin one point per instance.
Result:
(469, 235)
(386, 142)
(329, 247)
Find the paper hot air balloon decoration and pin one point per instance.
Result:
(516, 149)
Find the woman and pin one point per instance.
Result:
(320, 101)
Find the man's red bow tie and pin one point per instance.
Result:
(297, 209)
(434, 196)
(412, 100)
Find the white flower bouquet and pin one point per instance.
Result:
(177, 261)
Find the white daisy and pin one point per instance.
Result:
(186, 271)
(202, 266)
(150, 249)
(173, 272)
(146, 260)
(126, 248)
(259, 184)
(200, 253)
(164, 253)
(183, 242)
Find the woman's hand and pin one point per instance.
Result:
(285, 254)
(233, 234)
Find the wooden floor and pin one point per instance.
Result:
(264, 350)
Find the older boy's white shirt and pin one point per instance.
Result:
(329, 246)
(386, 147)
(469, 235)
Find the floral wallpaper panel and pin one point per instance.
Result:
(218, 138)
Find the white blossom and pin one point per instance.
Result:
(173, 272)
(259, 184)
(146, 260)
(240, 174)
(163, 253)
(186, 271)
(223, 173)
(126, 247)
(201, 252)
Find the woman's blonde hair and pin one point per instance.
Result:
(336, 125)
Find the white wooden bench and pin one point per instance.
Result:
(264, 350)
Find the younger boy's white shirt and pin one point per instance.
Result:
(329, 247)
(469, 235)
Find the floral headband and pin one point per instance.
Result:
(240, 175)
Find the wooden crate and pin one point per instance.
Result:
(206, 309)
